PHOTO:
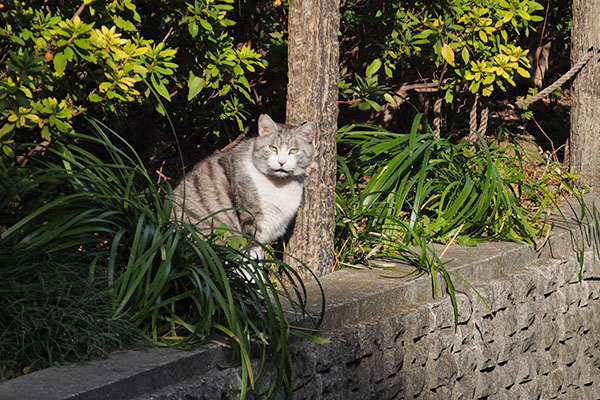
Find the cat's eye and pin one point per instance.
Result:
(293, 151)
(273, 149)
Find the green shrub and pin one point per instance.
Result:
(173, 284)
(397, 194)
(399, 190)
(458, 44)
(62, 59)
(52, 313)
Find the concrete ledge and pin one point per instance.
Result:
(391, 340)
(123, 375)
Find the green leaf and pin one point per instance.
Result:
(206, 25)
(160, 87)
(508, 16)
(69, 53)
(373, 67)
(523, 14)
(195, 85)
(123, 24)
(388, 71)
(424, 34)
(193, 29)
(104, 86)
(448, 54)
(363, 106)
(483, 36)
(227, 22)
(161, 109)
(62, 125)
(437, 47)
(225, 90)
(26, 91)
(95, 98)
(8, 151)
(46, 133)
(60, 63)
(374, 104)
(489, 79)
(465, 55)
(523, 72)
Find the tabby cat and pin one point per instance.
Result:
(260, 180)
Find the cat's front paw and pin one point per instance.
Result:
(250, 270)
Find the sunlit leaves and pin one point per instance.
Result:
(108, 39)
(453, 39)
(53, 117)
(397, 190)
(224, 66)
(108, 68)
(448, 54)
(98, 60)
(68, 30)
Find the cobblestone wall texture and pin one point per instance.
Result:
(542, 343)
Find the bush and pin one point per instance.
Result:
(61, 60)
(176, 286)
(452, 46)
(53, 312)
(198, 62)
(401, 190)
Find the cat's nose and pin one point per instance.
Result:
(281, 163)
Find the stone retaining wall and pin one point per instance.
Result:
(543, 343)
(391, 340)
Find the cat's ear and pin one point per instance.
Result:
(266, 125)
(308, 130)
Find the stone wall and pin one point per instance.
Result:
(543, 343)
(391, 340)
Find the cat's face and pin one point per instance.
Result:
(283, 150)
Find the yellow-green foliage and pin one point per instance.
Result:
(72, 57)
(455, 42)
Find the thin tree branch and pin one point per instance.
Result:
(79, 11)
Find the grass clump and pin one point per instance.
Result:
(160, 277)
(53, 313)
(399, 192)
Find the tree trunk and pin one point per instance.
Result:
(312, 95)
(585, 93)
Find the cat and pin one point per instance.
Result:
(259, 183)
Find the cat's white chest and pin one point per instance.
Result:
(280, 201)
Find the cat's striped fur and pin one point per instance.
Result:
(261, 178)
